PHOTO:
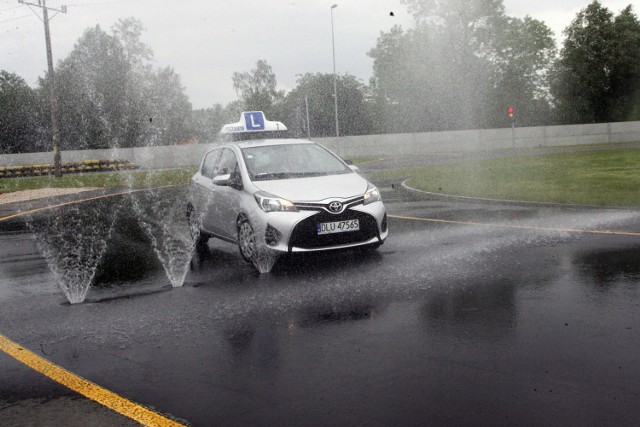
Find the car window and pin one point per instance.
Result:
(291, 161)
(209, 163)
(228, 163)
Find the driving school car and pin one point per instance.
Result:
(281, 195)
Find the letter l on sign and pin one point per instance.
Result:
(254, 120)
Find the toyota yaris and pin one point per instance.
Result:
(283, 196)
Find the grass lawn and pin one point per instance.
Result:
(607, 178)
(134, 179)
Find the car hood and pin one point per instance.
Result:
(316, 188)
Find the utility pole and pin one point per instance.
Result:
(57, 158)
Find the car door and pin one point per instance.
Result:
(204, 191)
(228, 196)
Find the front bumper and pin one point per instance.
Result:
(297, 232)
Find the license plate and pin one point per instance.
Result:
(338, 226)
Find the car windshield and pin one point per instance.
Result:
(286, 161)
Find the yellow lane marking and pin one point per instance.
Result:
(72, 381)
(521, 227)
(86, 388)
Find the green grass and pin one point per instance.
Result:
(607, 178)
(133, 179)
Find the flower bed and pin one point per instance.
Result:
(67, 168)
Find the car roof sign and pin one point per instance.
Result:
(253, 121)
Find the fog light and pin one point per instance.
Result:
(272, 236)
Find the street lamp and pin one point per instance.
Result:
(335, 84)
(306, 105)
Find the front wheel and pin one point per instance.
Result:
(246, 239)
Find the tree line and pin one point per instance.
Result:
(461, 66)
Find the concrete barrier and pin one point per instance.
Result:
(370, 145)
(484, 139)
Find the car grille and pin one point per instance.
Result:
(305, 234)
(348, 203)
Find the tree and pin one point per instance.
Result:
(390, 88)
(257, 88)
(92, 83)
(582, 76)
(208, 122)
(421, 85)
(21, 116)
(129, 33)
(625, 69)
(470, 24)
(461, 67)
(140, 75)
(438, 75)
(524, 53)
(353, 115)
(110, 96)
(169, 110)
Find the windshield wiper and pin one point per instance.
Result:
(286, 175)
(272, 175)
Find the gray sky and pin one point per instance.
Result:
(205, 41)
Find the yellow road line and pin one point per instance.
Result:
(86, 388)
(521, 227)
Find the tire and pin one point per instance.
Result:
(246, 239)
(194, 228)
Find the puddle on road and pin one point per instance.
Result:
(602, 268)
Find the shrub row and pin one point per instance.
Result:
(67, 168)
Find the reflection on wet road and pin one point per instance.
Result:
(444, 324)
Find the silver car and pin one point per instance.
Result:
(283, 196)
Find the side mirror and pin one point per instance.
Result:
(354, 168)
(222, 180)
(226, 180)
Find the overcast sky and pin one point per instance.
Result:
(205, 41)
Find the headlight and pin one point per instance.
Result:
(270, 203)
(372, 195)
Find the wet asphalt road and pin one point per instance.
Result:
(465, 323)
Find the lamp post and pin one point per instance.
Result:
(306, 106)
(335, 84)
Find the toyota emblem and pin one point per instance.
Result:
(335, 207)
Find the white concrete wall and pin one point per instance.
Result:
(371, 145)
(485, 139)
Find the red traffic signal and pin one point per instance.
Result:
(510, 110)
